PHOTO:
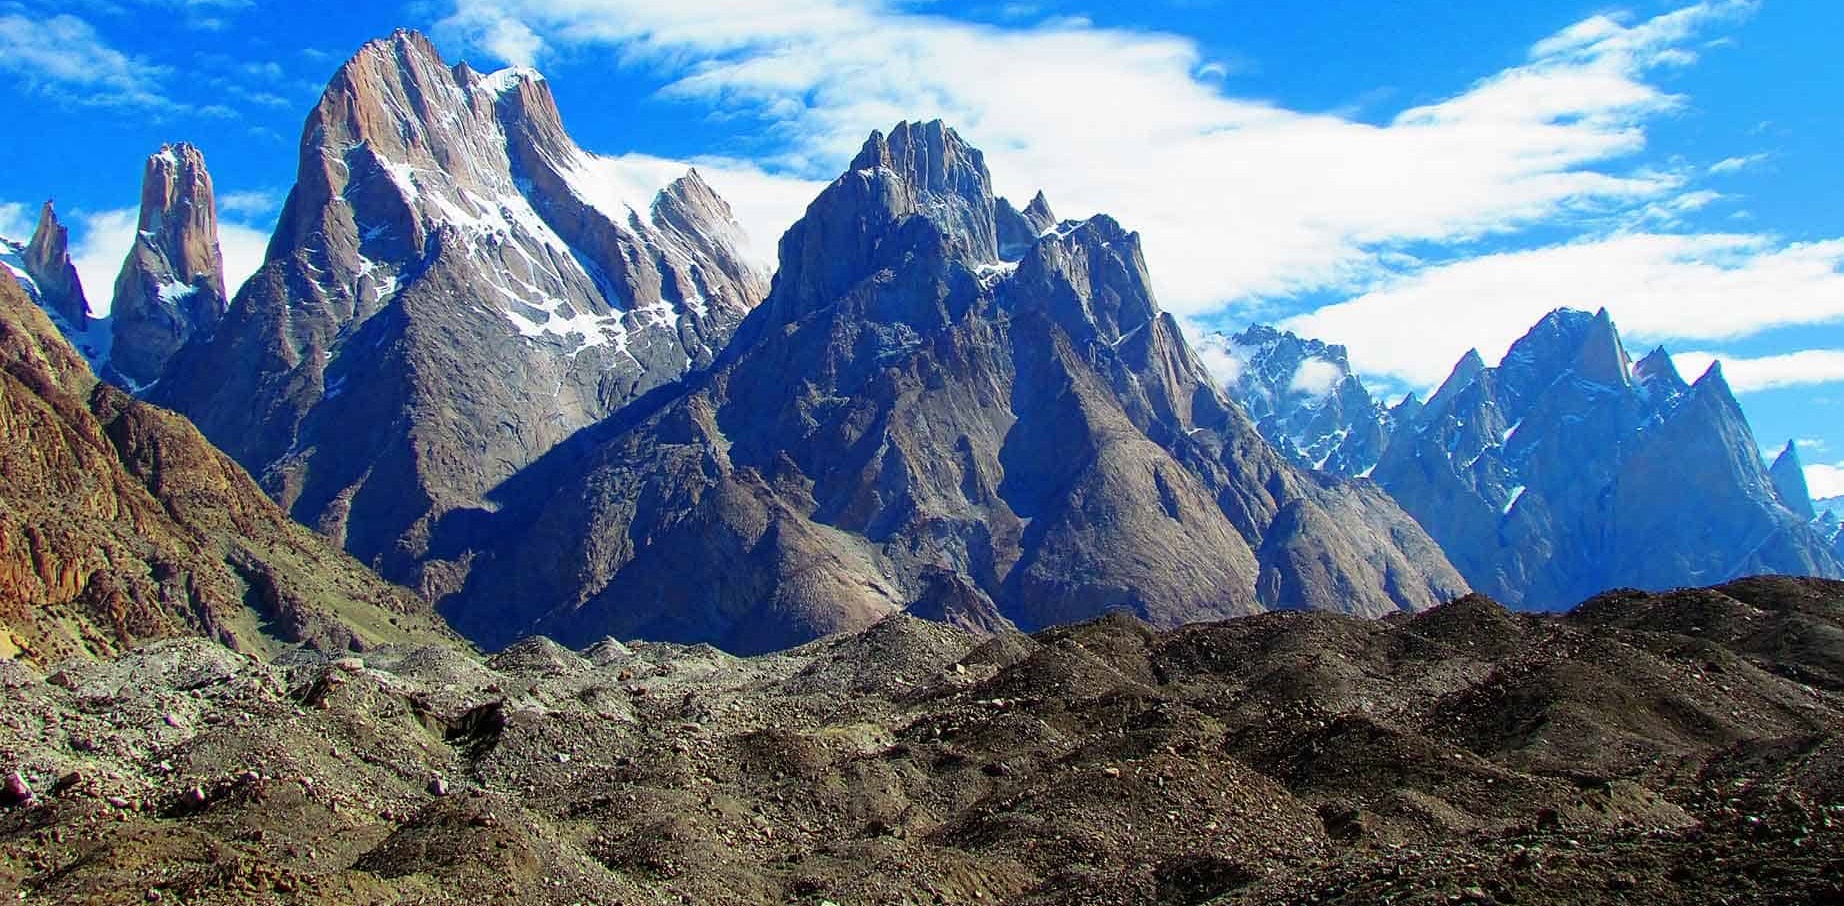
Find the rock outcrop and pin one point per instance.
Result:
(907, 402)
(171, 288)
(119, 525)
(453, 288)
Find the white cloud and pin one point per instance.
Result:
(1730, 165)
(250, 203)
(1216, 352)
(63, 57)
(100, 241)
(18, 220)
(1825, 480)
(243, 248)
(1236, 198)
(1314, 377)
(1658, 286)
(1746, 375)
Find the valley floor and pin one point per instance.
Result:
(1679, 748)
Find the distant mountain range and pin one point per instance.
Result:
(472, 364)
(1565, 469)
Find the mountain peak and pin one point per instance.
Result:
(1789, 478)
(1601, 357)
(47, 262)
(947, 175)
(172, 284)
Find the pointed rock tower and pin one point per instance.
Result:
(1789, 478)
(171, 288)
(47, 261)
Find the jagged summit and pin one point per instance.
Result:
(171, 287)
(1307, 401)
(906, 418)
(504, 288)
(947, 176)
(1566, 469)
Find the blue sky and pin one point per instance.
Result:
(1411, 179)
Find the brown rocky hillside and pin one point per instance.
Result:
(120, 524)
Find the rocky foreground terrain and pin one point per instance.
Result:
(1676, 748)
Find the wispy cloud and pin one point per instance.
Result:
(1660, 287)
(18, 220)
(63, 57)
(1730, 165)
(1237, 199)
(1747, 375)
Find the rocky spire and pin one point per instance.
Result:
(1601, 358)
(1789, 478)
(1018, 230)
(172, 285)
(47, 260)
(1659, 377)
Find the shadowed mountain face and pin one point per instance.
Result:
(925, 391)
(119, 525)
(452, 289)
(1679, 749)
(1568, 469)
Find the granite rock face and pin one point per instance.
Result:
(452, 289)
(119, 524)
(909, 419)
(1568, 469)
(47, 261)
(171, 288)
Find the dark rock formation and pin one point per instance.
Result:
(905, 403)
(1678, 749)
(171, 288)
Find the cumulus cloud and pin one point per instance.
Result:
(243, 247)
(1825, 479)
(1220, 357)
(100, 241)
(1315, 377)
(1660, 288)
(63, 57)
(1237, 199)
